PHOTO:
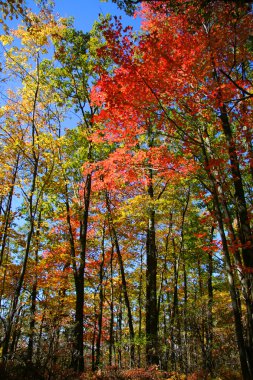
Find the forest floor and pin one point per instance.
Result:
(155, 374)
(113, 373)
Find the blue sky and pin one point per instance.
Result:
(85, 12)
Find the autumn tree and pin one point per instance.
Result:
(129, 6)
(24, 115)
(184, 107)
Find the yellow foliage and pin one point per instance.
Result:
(6, 39)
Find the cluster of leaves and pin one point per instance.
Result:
(130, 6)
(10, 9)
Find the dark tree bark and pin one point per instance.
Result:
(152, 356)
(78, 349)
(123, 278)
(78, 359)
(34, 297)
(209, 327)
(111, 332)
(7, 212)
(140, 310)
(101, 302)
(240, 201)
(245, 365)
(33, 208)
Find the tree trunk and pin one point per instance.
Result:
(240, 201)
(78, 357)
(140, 311)
(123, 278)
(209, 327)
(152, 356)
(174, 311)
(101, 302)
(14, 304)
(111, 332)
(34, 296)
(246, 372)
(7, 213)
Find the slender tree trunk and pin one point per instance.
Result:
(246, 372)
(152, 356)
(185, 319)
(165, 356)
(34, 296)
(244, 225)
(17, 332)
(140, 311)
(38, 350)
(236, 309)
(14, 305)
(165, 359)
(123, 278)
(77, 358)
(4, 275)
(78, 355)
(7, 212)
(174, 311)
(243, 278)
(33, 206)
(209, 327)
(244, 228)
(101, 302)
(111, 332)
(93, 349)
(119, 332)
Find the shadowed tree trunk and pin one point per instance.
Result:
(152, 356)
(101, 301)
(245, 366)
(33, 208)
(123, 278)
(34, 296)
